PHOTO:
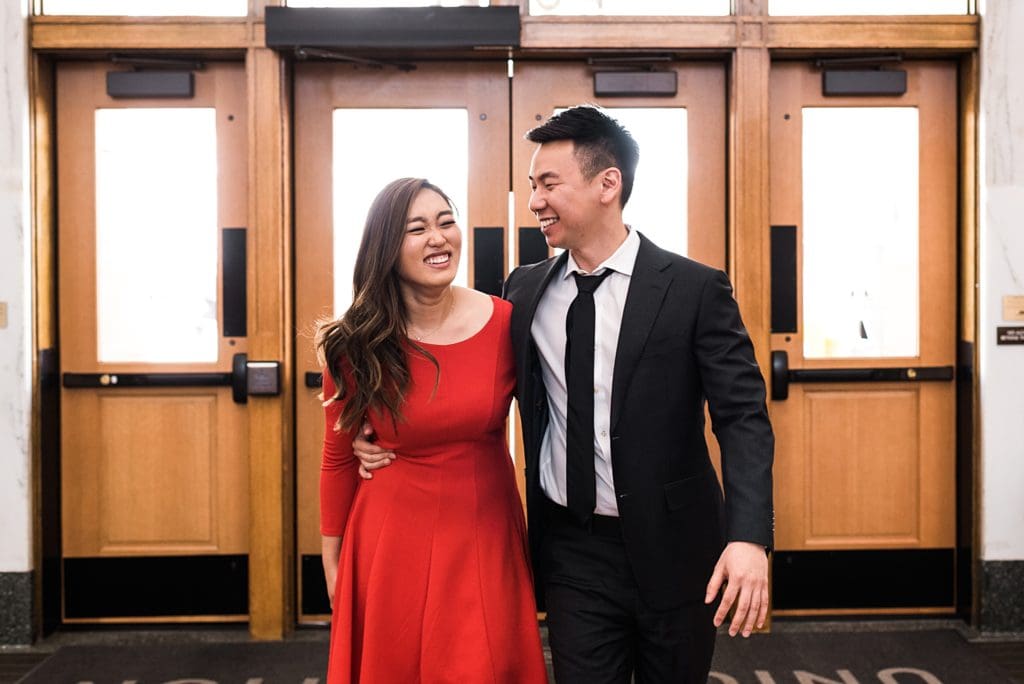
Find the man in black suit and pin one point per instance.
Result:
(632, 585)
(618, 345)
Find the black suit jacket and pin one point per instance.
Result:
(681, 342)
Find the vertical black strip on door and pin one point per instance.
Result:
(533, 247)
(234, 290)
(784, 295)
(488, 260)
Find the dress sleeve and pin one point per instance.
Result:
(339, 476)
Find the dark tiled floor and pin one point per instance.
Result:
(14, 665)
(1007, 652)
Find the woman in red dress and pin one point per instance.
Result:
(426, 563)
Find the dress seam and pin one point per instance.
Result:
(369, 583)
(426, 597)
(480, 586)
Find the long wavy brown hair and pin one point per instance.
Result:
(371, 335)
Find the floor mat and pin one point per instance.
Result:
(926, 657)
(913, 657)
(210, 663)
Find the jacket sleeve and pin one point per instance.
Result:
(735, 391)
(507, 285)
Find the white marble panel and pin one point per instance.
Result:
(1001, 243)
(15, 291)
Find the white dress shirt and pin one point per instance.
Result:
(548, 330)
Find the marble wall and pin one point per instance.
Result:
(1001, 369)
(16, 336)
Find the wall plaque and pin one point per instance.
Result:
(1010, 335)
(1013, 308)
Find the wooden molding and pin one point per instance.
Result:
(545, 33)
(44, 254)
(627, 33)
(130, 33)
(749, 258)
(969, 86)
(271, 457)
(880, 33)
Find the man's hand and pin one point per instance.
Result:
(744, 568)
(371, 457)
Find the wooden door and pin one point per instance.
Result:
(154, 469)
(863, 213)
(678, 198)
(355, 130)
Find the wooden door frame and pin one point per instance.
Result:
(478, 88)
(750, 38)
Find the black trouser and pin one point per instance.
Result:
(600, 630)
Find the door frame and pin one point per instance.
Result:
(749, 38)
(923, 539)
(480, 87)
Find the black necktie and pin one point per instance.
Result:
(580, 482)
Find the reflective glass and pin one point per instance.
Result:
(148, 8)
(388, 3)
(373, 147)
(865, 7)
(638, 8)
(658, 205)
(156, 235)
(860, 232)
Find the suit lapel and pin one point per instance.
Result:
(647, 288)
(531, 393)
(537, 281)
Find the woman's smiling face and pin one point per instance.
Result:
(433, 242)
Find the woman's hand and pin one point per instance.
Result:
(371, 457)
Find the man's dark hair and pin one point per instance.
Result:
(599, 142)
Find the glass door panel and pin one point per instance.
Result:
(675, 8)
(860, 232)
(659, 198)
(147, 160)
(430, 143)
(682, 152)
(866, 7)
(387, 3)
(148, 8)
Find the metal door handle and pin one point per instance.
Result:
(239, 378)
(246, 377)
(780, 375)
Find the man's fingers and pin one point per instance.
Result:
(364, 448)
(753, 609)
(714, 584)
(376, 462)
(762, 614)
(727, 600)
(742, 609)
(364, 473)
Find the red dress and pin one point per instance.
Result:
(433, 580)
